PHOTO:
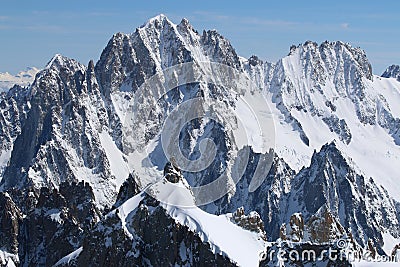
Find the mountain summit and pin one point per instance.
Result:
(392, 71)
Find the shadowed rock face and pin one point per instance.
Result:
(251, 222)
(10, 219)
(155, 239)
(129, 188)
(330, 192)
(53, 225)
(329, 197)
(149, 236)
(392, 71)
(58, 222)
(172, 173)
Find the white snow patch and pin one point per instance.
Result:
(249, 116)
(121, 101)
(118, 165)
(4, 158)
(389, 242)
(125, 209)
(70, 257)
(8, 259)
(224, 237)
(368, 142)
(240, 245)
(390, 89)
(55, 215)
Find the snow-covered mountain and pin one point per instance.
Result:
(72, 155)
(392, 71)
(23, 78)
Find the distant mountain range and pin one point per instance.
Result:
(23, 78)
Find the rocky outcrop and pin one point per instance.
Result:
(331, 199)
(340, 127)
(61, 136)
(268, 200)
(48, 224)
(325, 227)
(251, 222)
(129, 188)
(172, 173)
(14, 105)
(334, 200)
(392, 71)
(148, 236)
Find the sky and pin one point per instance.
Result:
(31, 32)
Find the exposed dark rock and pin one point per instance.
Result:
(55, 131)
(54, 224)
(10, 219)
(172, 173)
(340, 127)
(392, 71)
(251, 222)
(154, 239)
(129, 188)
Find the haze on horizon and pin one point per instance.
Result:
(31, 35)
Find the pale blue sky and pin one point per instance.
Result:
(31, 32)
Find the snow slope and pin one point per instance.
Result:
(242, 246)
(326, 92)
(224, 237)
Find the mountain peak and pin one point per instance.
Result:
(331, 147)
(56, 59)
(185, 24)
(255, 60)
(80, 122)
(59, 61)
(157, 22)
(330, 54)
(185, 21)
(392, 71)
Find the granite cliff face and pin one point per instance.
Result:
(71, 194)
